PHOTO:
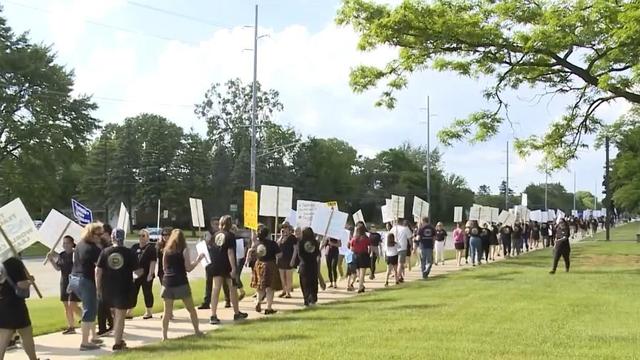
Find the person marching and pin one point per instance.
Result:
(223, 257)
(287, 243)
(505, 238)
(535, 235)
(241, 257)
(361, 247)
(332, 252)
(441, 239)
(63, 262)
(475, 243)
(82, 282)
(516, 239)
(266, 280)
(376, 241)
(147, 258)
(104, 314)
(467, 240)
(544, 232)
(458, 243)
(391, 258)
(164, 237)
(214, 226)
(426, 234)
(114, 281)
(403, 238)
(485, 239)
(561, 247)
(526, 232)
(494, 243)
(309, 256)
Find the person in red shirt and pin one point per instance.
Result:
(361, 247)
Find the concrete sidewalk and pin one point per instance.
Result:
(139, 332)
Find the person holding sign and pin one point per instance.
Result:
(535, 235)
(458, 243)
(485, 239)
(265, 280)
(561, 248)
(214, 227)
(403, 237)
(516, 239)
(425, 235)
(376, 241)
(114, 281)
(361, 247)
(332, 252)
(147, 258)
(475, 243)
(14, 315)
(309, 255)
(222, 252)
(82, 282)
(63, 262)
(177, 264)
(287, 243)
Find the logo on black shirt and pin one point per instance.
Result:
(427, 233)
(219, 240)
(261, 250)
(115, 261)
(309, 247)
(474, 231)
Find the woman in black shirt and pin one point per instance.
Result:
(332, 248)
(14, 315)
(309, 255)
(266, 280)
(287, 243)
(147, 257)
(177, 264)
(63, 262)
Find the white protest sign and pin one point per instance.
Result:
(55, 227)
(329, 222)
(504, 215)
(510, 220)
(305, 212)
(358, 217)
(544, 217)
(397, 206)
(596, 213)
(123, 219)
(275, 201)
(292, 218)
(197, 214)
(474, 213)
(525, 200)
(387, 215)
(239, 249)
(536, 216)
(552, 215)
(574, 213)
(420, 208)
(201, 248)
(560, 214)
(495, 213)
(485, 214)
(603, 212)
(457, 214)
(18, 227)
(586, 214)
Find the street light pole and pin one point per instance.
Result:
(428, 153)
(254, 105)
(506, 190)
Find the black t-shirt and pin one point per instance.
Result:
(14, 269)
(375, 239)
(286, 247)
(517, 232)
(221, 242)
(426, 234)
(441, 235)
(563, 232)
(175, 273)
(118, 264)
(505, 232)
(474, 231)
(308, 251)
(85, 258)
(544, 230)
(270, 248)
(485, 234)
(65, 264)
(146, 255)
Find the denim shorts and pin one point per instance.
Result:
(85, 289)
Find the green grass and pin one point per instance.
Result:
(510, 310)
(35, 250)
(47, 314)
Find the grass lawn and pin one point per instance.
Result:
(47, 314)
(510, 310)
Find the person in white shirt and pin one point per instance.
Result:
(391, 257)
(403, 236)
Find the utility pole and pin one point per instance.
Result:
(428, 153)
(595, 194)
(574, 190)
(506, 190)
(607, 200)
(254, 105)
(546, 188)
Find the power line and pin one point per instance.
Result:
(108, 26)
(173, 13)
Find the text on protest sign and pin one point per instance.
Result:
(387, 215)
(83, 214)
(305, 211)
(18, 227)
(420, 208)
(358, 217)
(329, 222)
(397, 206)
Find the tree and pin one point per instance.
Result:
(625, 174)
(43, 127)
(503, 189)
(484, 190)
(584, 49)
(584, 200)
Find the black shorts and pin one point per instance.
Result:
(459, 245)
(121, 300)
(220, 271)
(392, 260)
(64, 295)
(363, 261)
(352, 268)
(14, 316)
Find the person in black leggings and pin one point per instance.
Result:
(309, 255)
(375, 239)
(333, 251)
(467, 236)
(485, 238)
(105, 317)
(505, 238)
(561, 248)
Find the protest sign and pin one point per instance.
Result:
(329, 222)
(275, 201)
(251, 210)
(55, 227)
(457, 214)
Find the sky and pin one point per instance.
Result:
(133, 59)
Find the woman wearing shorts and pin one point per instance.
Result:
(14, 315)
(265, 280)
(391, 258)
(458, 243)
(177, 264)
(360, 245)
(63, 262)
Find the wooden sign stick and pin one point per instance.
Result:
(57, 242)
(15, 253)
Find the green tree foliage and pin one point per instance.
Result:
(625, 174)
(586, 50)
(43, 128)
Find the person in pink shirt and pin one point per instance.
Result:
(458, 242)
